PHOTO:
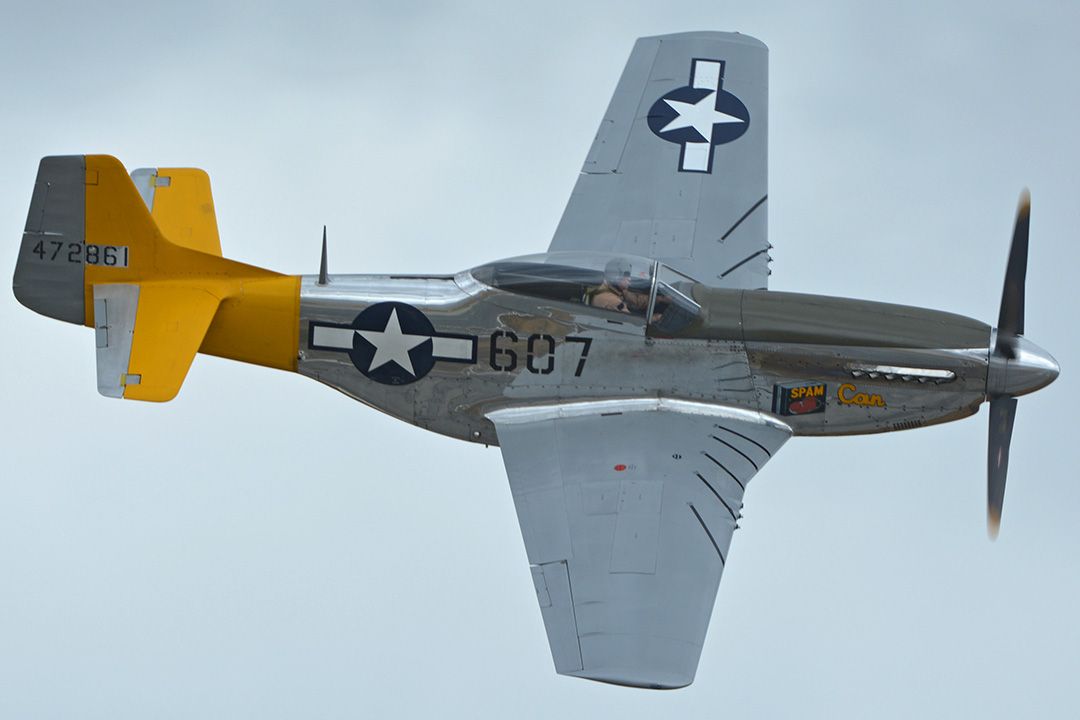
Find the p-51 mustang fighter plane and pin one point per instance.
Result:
(637, 375)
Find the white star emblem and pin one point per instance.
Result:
(701, 116)
(392, 345)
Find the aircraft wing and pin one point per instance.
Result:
(627, 508)
(678, 168)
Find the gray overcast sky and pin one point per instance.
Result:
(264, 547)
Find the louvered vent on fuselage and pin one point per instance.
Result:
(902, 374)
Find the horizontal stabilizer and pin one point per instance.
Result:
(147, 336)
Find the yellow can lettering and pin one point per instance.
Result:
(848, 394)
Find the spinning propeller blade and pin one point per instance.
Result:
(1011, 316)
(1015, 366)
(1002, 415)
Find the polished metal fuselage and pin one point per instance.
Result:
(876, 367)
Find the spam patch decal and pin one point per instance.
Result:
(804, 399)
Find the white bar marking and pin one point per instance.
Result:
(707, 74)
(449, 348)
(696, 156)
(333, 337)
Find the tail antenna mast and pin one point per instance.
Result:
(323, 277)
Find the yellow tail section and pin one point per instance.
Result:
(95, 252)
(181, 205)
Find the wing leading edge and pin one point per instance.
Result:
(678, 169)
(627, 508)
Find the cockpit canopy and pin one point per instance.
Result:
(633, 286)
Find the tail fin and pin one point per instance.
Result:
(49, 271)
(92, 254)
(182, 206)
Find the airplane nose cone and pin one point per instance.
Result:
(1032, 369)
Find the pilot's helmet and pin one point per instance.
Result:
(616, 270)
(619, 269)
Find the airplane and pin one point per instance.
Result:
(636, 375)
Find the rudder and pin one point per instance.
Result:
(49, 272)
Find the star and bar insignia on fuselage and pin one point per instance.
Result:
(393, 343)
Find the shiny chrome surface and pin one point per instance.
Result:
(514, 367)
(519, 414)
(1031, 369)
(904, 374)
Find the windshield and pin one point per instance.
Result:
(628, 285)
(621, 284)
(672, 309)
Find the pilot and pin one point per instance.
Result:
(619, 291)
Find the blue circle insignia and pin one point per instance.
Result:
(392, 343)
(678, 117)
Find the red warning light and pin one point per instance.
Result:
(620, 467)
